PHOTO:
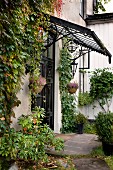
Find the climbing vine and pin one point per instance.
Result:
(100, 5)
(22, 23)
(67, 100)
(58, 6)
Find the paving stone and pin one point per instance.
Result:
(90, 164)
(83, 144)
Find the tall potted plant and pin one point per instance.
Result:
(101, 90)
(80, 120)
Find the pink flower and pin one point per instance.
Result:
(41, 81)
(72, 85)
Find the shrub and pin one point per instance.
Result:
(80, 118)
(104, 127)
(84, 99)
(90, 128)
(101, 88)
(32, 142)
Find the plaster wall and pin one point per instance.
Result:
(71, 12)
(24, 107)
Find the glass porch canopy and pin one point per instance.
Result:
(78, 34)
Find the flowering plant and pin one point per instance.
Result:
(41, 81)
(73, 85)
(37, 82)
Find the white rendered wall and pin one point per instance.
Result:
(24, 107)
(71, 12)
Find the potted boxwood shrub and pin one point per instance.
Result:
(80, 120)
(104, 129)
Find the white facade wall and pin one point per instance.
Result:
(89, 7)
(71, 12)
(105, 32)
(24, 108)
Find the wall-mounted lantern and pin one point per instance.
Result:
(74, 67)
(75, 51)
(72, 47)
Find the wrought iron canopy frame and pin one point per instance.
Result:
(78, 34)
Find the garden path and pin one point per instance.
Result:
(83, 144)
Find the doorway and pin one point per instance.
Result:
(45, 99)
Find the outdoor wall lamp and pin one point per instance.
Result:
(75, 51)
(72, 47)
(74, 67)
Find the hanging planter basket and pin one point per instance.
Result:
(38, 84)
(72, 87)
(38, 89)
(72, 90)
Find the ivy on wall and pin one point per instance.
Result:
(21, 25)
(67, 100)
(58, 6)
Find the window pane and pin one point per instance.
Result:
(82, 8)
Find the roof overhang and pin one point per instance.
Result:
(78, 34)
(99, 18)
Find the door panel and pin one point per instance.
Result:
(45, 99)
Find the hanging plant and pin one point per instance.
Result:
(37, 82)
(72, 87)
(37, 85)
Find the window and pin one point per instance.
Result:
(82, 8)
(95, 8)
